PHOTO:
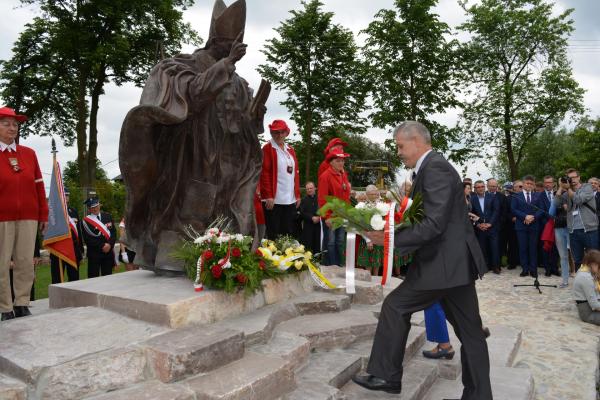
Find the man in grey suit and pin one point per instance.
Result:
(447, 261)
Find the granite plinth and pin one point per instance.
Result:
(171, 301)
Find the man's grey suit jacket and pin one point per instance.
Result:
(446, 252)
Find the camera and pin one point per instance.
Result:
(565, 179)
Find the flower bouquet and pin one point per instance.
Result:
(218, 259)
(372, 216)
(286, 254)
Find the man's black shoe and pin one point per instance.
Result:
(512, 267)
(524, 273)
(372, 382)
(556, 273)
(548, 273)
(21, 311)
(533, 274)
(7, 315)
(497, 271)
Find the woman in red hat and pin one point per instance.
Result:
(23, 209)
(334, 182)
(333, 145)
(279, 182)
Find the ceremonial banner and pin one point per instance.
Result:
(58, 240)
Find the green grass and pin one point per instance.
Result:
(43, 277)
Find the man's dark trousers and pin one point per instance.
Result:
(462, 310)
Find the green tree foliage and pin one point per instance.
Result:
(412, 68)
(315, 62)
(553, 151)
(518, 77)
(111, 194)
(65, 56)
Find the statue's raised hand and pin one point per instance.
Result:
(238, 50)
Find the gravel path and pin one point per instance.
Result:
(561, 350)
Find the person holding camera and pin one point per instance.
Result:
(582, 221)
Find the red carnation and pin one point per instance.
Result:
(236, 252)
(207, 255)
(261, 264)
(217, 271)
(241, 278)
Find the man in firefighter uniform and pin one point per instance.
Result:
(99, 234)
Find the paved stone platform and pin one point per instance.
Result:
(171, 301)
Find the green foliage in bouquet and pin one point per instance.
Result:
(245, 270)
(361, 218)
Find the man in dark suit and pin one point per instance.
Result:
(595, 182)
(311, 222)
(527, 210)
(72, 270)
(446, 262)
(99, 234)
(487, 207)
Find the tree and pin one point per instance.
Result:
(412, 68)
(63, 59)
(553, 151)
(314, 61)
(518, 75)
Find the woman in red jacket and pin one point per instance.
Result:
(334, 182)
(23, 208)
(279, 182)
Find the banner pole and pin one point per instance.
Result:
(60, 268)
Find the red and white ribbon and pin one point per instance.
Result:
(388, 245)
(98, 225)
(198, 287)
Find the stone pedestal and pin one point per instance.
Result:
(171, 301)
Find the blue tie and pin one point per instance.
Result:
(528, 199)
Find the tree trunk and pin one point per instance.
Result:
(93, 146)
(307, 145)
(512, 165)
(82, 114)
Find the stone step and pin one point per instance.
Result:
(507, 384)
(253, 377)
(366, 292)
(321, 302)
(416, 381)
(150, 390)
(503, 345)
(192, 350)
(292, 348)
(325, 373)
(84, 350)
(258, 326)
(328, 331)
(416, 338)
(12, 389)
(333, 271)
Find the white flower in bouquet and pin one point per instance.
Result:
(238, 237)
(223, 238)
(200, 240)
(382, 208)
(360, 206)
(212, 232)
(377, 222)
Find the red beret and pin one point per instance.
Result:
(334, 142)
(337, 153)
(278, 125)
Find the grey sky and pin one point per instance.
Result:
(263, 16)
